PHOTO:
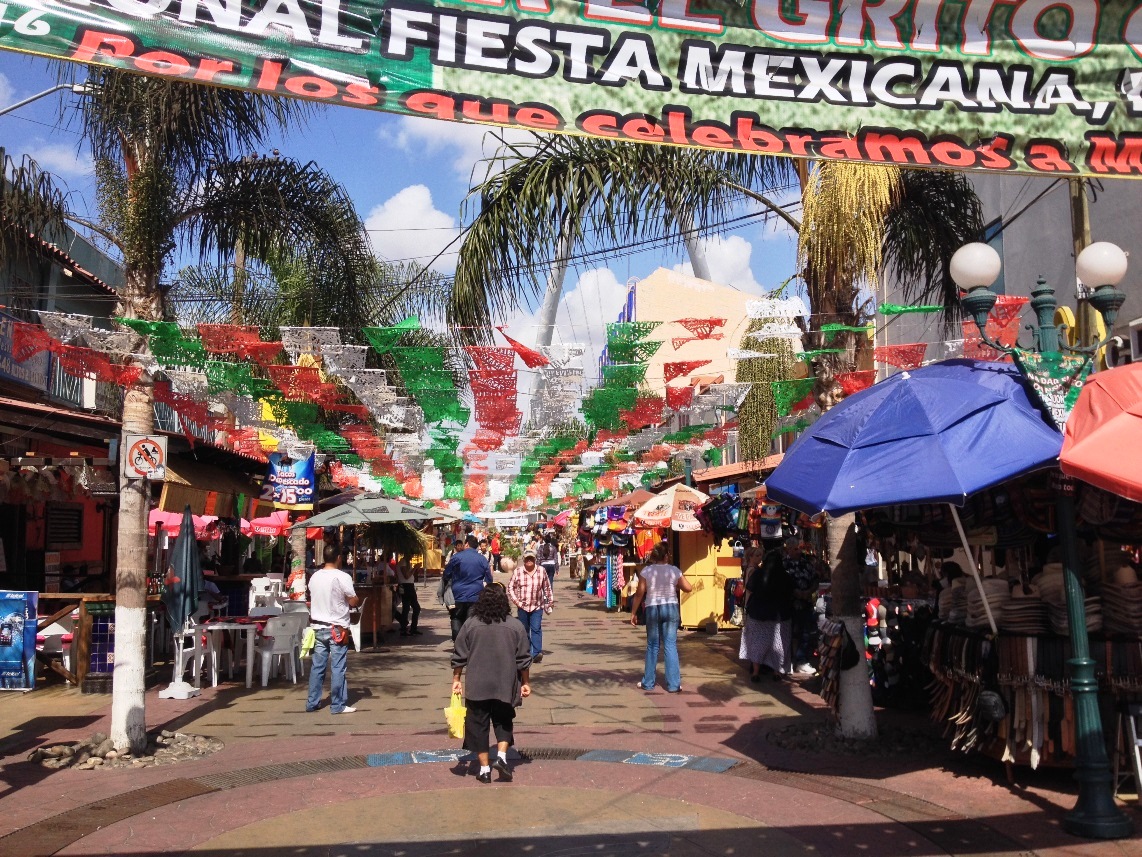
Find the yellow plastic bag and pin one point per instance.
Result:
(308, 641)
(454, 716)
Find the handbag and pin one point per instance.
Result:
(739, 588)
(445, 594)
(454, 716)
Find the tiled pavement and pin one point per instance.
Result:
(606, 769)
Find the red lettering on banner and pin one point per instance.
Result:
(754, 139)
(1047, 157)
(1117, 156)
(444, 105)
(94, 44)
(599, 123)
(713, 136)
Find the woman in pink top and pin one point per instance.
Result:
(658, 586)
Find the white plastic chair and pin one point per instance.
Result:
(265, 592)
(192, 633)
(299, 622)
(355, 623)
(279, 639)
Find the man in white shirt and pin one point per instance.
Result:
(331, 596)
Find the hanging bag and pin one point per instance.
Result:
(454, 716)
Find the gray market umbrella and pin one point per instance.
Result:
(183, 584)
(368, 510)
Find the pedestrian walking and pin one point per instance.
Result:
(806, 581)
(406, 583)
(547, 555)
(658, 588)
(493, 648)
(467, 573)
(530, 591)
(495, 544)
(766, 634)
(331, 596)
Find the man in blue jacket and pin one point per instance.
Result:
(467, 573)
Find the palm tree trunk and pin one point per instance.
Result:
(140, 298)
(549, 310)
(694, 248)
(128, 719)
(857, 719)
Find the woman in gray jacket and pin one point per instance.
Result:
(493, 646)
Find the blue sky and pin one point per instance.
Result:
(408, 177)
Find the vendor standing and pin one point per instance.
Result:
(806, 581)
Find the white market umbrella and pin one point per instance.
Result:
(673, 508)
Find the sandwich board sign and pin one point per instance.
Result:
(145, 457)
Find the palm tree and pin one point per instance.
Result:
(171, 173)
(541, 199)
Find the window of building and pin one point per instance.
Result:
(63, 524)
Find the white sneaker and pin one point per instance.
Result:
(348, 709)
(805, 669)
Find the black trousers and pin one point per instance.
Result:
(482, 713)
(409, 601)
(459, 616)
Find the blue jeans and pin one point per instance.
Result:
(662, 630)
(533, 621)
(325, 651)
(551, 568)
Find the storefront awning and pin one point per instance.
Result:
(741, 468)
(191, 483)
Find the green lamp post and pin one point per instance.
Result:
(975, 267)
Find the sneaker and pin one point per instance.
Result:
(348, 709)
(805, 669)
(641, 686)
(501, 765)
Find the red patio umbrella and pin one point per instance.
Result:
(274, 524)
(1104, 430)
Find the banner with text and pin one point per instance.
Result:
(1041, 86)
(290, 484)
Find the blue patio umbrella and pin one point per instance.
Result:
(930, 435)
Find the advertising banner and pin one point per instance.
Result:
(291, 484)
(1039, 86)
(18, 612)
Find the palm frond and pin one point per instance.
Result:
(937, 213)
(31, 204)
(601, 191)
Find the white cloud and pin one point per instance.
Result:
(7, 91)
(595, 299)
(465, 143)
(729, 261)
(62, 159)
(408, 227)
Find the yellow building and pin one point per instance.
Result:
(667, 296)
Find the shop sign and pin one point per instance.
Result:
(291, 484)
(33, 372)
(494, 464)
(1057, 380)
(1035, 87)
(18, 611)
(145, 457)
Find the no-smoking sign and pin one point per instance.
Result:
(145, 457)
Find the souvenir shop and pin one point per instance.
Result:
(707, 535)
(994, 653)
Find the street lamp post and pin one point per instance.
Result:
(975, 267)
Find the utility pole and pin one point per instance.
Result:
(1080, 235)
